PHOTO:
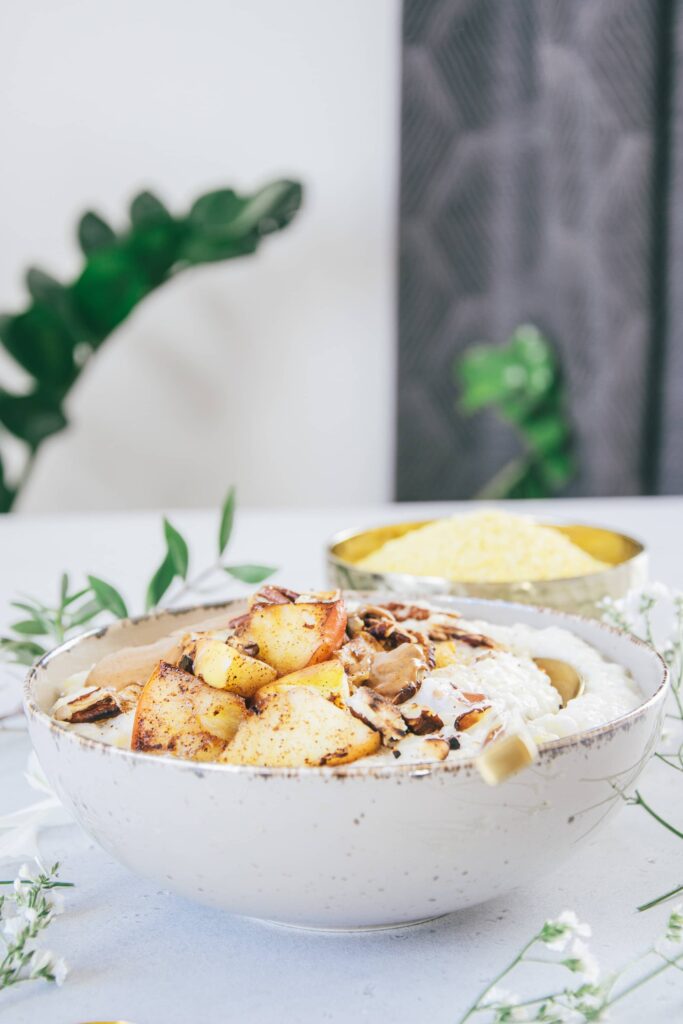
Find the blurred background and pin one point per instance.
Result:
(477, 292)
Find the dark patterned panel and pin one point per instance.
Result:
(669, 397)
(527, 162)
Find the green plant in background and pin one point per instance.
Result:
(521, 380)
(65, 324)
(43, 626)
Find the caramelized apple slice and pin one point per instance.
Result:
(225, 668)
(328, 678)
(179, 714)
(298, 726)
(292, 636)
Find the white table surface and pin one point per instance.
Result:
(140, 954)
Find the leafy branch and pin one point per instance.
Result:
(43, 626)
(522, 382)
(590, 996)
(655, 615)
(26, 911)
(54, 338)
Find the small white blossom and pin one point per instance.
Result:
(582, 961)
(41, 960)
(13, 927)
(29, 915)
(500, 997)
(558, 933)
(60, 970)
(674, 926)
(25, 873)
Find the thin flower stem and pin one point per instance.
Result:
(646, 977)
(661, 899)
(638, 800)
(668, 763)
(476, 1005)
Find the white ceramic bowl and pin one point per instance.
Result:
(345, 847)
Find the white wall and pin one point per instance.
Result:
(275, 372)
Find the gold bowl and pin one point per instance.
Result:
(626, 557)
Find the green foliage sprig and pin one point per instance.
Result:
(522, 382)
(43, 626)
(26, 910)
(587, 995)
(65, 324)
(655, 614)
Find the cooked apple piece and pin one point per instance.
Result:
(328, 678)
(179, 714)
(133, 664)
(219, 712)
(292, 636)
(226, 668)
(298, 726)
(445, 653)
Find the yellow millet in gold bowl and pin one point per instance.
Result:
(493, 554)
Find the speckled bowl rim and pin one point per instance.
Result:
(547, 751)
(433, 581)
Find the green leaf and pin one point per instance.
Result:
(160, 582)
(63, 588)
(34, 610)
(40, 341)
(85, 613)
(25, 651)
(216, 208)
(29, 627)
(94, 233)
(7, 494)
(32, 417)
(108, 597)
(146, 208)
(227, 520)
(69, 600)
(43, 287)
(224, 225)
(250, 573)
(110, 286)
(177, 549)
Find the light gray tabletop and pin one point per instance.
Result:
(140, 954)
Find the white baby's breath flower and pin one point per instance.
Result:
(29, 915)
(60, 970)
(673, 936)
(25, 873)
(582, 961)
(500, 997)
(557, 933)
(12, 927)
(674, 926)
(41, 960)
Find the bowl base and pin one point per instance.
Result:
(346, 929)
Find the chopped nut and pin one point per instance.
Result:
(437, 748)
(356, 657)
(248, 647)
(89, 705)
(380, 714)
(440, 631)
(272, 595)
(401, 612)
(421, 720)
(470, 718)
